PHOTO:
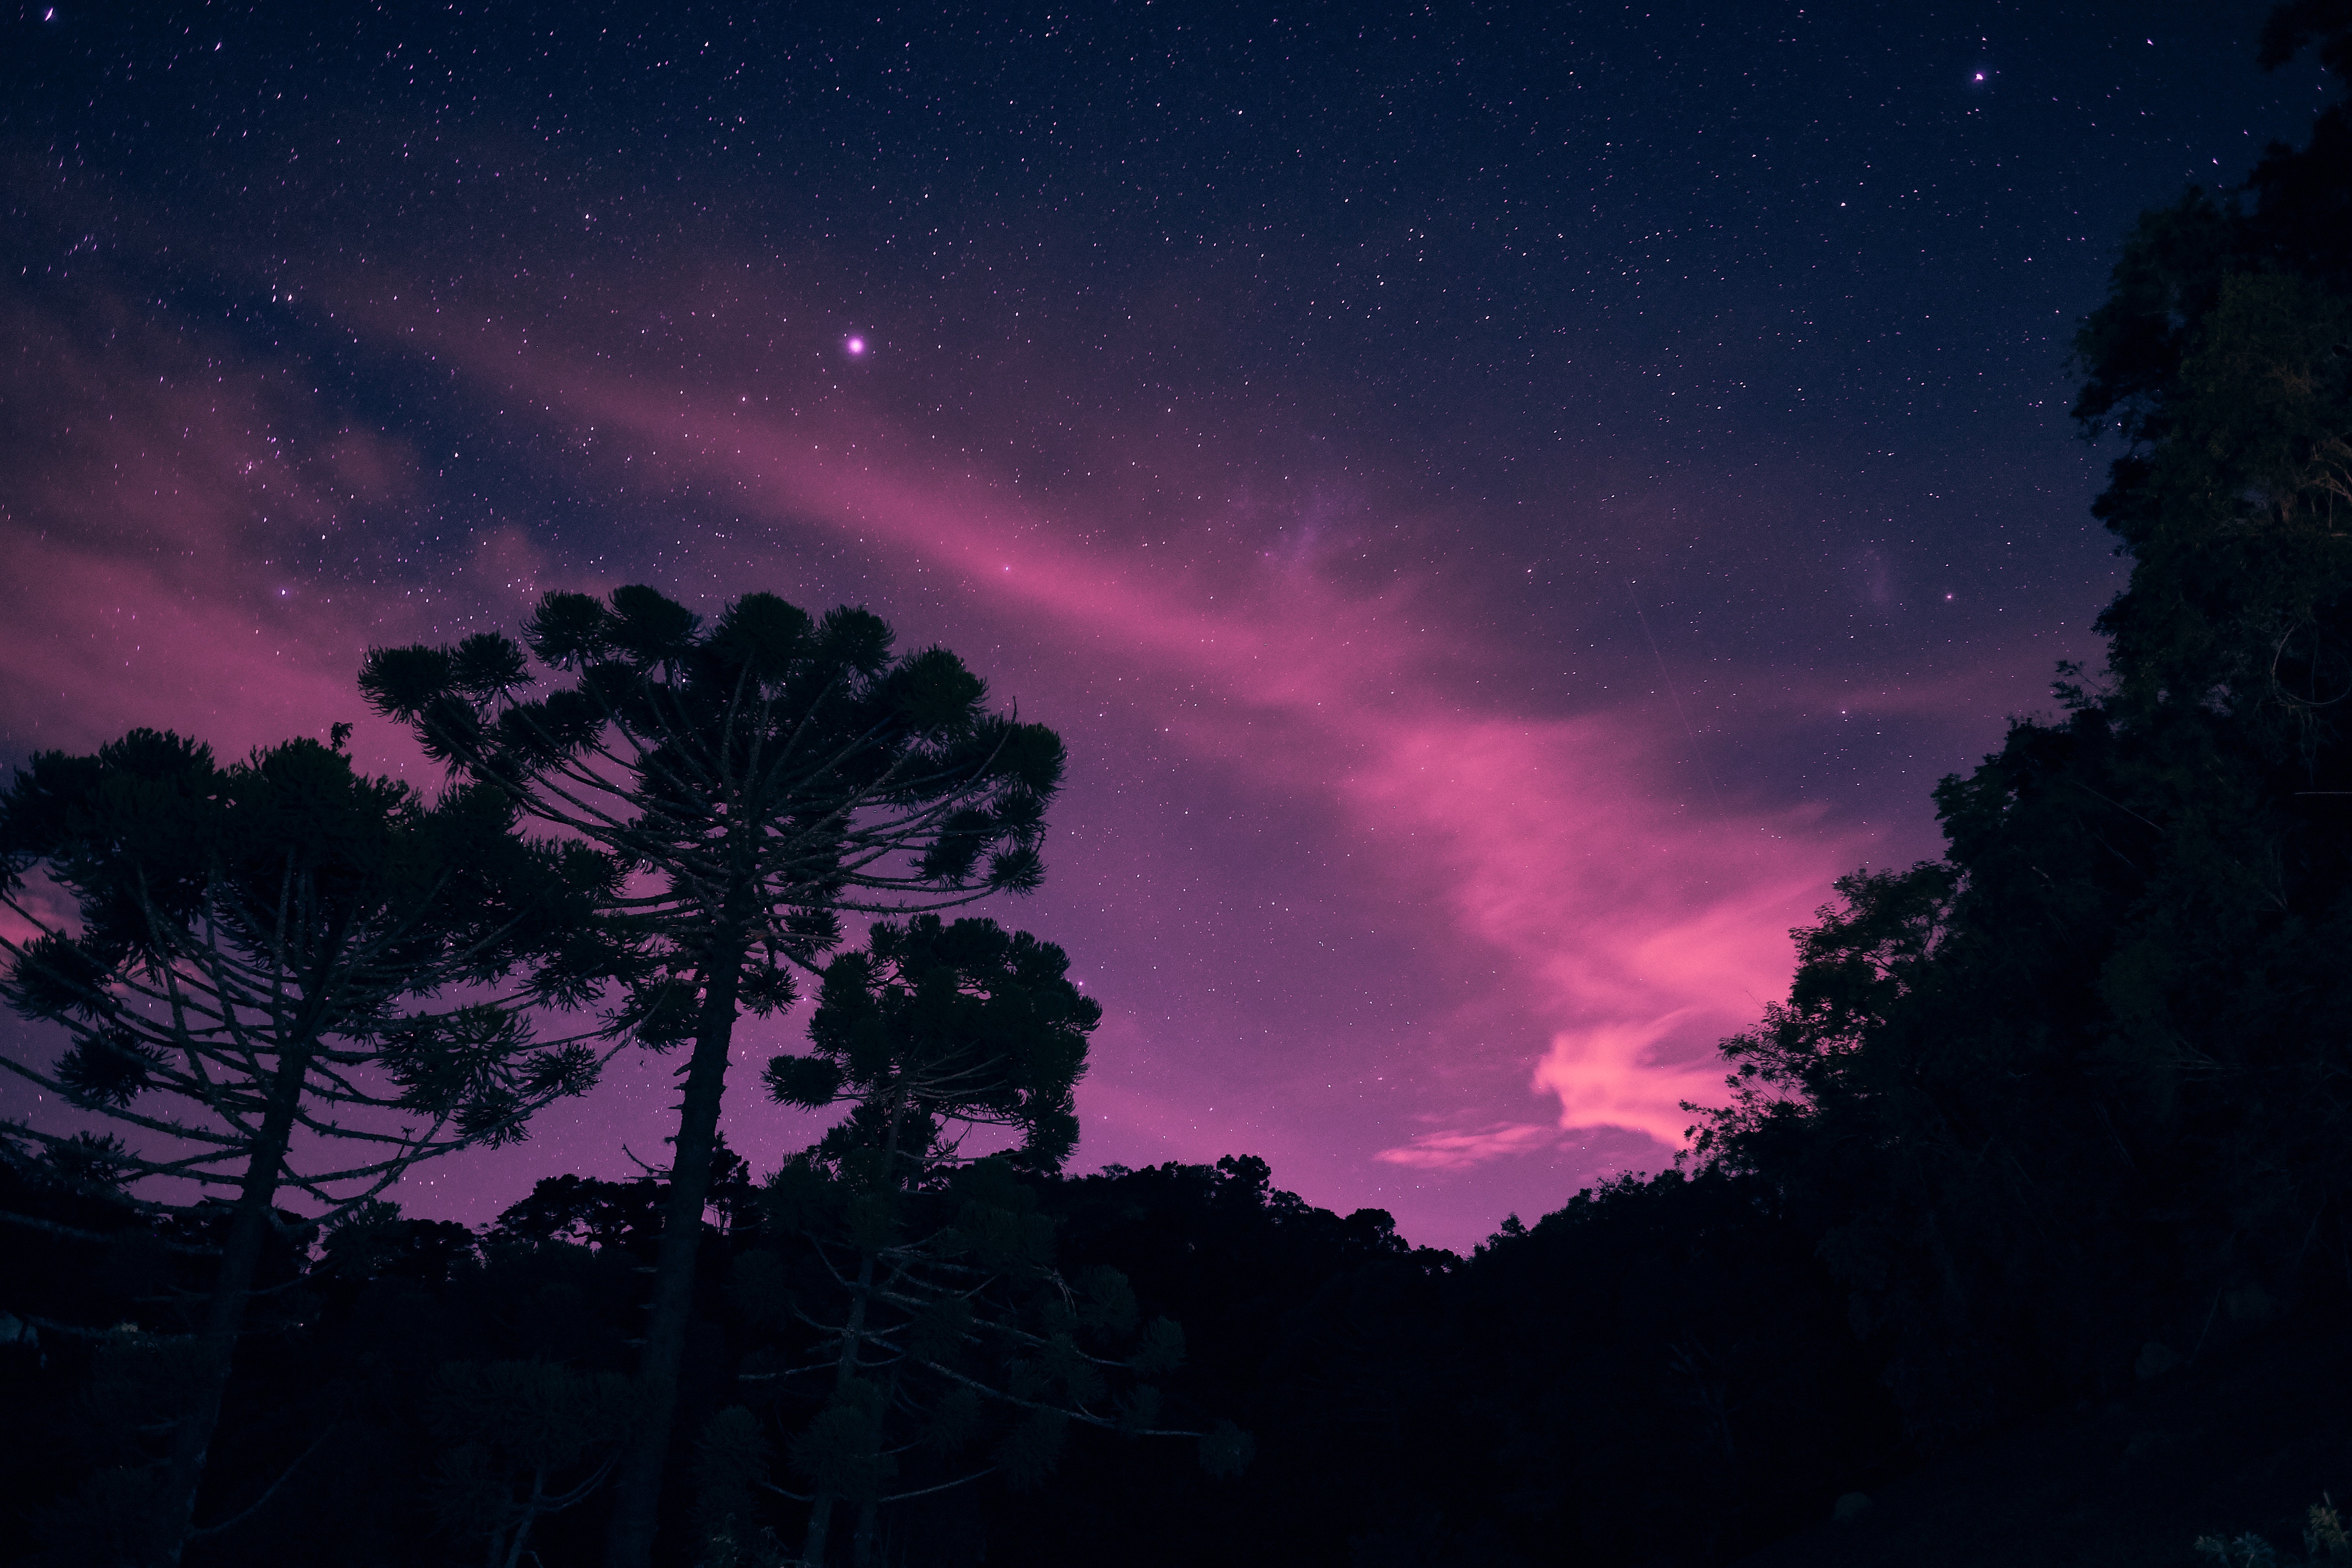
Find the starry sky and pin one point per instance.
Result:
(1503, 504)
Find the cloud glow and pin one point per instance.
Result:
(1550, 851)
(1506, 926)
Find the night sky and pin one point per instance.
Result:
(1503, 505)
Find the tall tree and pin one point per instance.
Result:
(2059, 1099)
(763, 777)
(928, 1274)
(2219, 356)
(233, 985)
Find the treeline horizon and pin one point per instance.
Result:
(2063, 1114)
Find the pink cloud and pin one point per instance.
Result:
(1571, 933)
(1549, 847)
(1462, 1150)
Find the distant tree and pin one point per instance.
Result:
(762, 778)
(236, 981)
(933, 1297)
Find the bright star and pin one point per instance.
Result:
(855, 346)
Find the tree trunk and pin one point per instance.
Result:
(636, 1505)
(820, 1523)
(853, 1335)
(522, 1526)
(868, 1512)
(225, 1317)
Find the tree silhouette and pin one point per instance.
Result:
(932, 1293)
(2062, 1096)
(233, 989)
(762, 778)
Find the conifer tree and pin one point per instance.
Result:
(925, 1273)
(236, 984)
(761, 777)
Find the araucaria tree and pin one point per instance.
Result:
(246, 984)
(760, 778)
(946, 1344)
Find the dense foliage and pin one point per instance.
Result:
(1565, 1395)
(248, 978)
(759, 777)
(2064, 1099)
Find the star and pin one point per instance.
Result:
(854, 347)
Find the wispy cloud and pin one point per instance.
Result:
(1461, 1151)
(1576, 930)
(1552, 852)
